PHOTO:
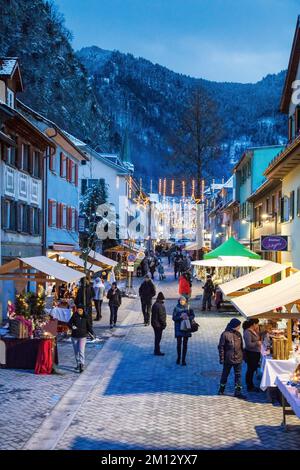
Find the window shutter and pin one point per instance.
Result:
(76, 175)
(76, 220)
(19, 218)
(3, 213)
(49, 213)
(69, 218)
(39, 222)
(31, 224)
(30, 160)
(41, 156)
(4, 152)
(58, 206)
(292, 204)
(68, 167)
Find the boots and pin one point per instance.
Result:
(81, 368)
(221, 390)
(238, 393)
(178, 360)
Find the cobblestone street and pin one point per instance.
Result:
(130, 399)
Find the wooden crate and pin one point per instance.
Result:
(18, 329)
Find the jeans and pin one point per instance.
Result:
(181, 339)
(157, 339)
(237, 374)
(252, 360)
(79, 348)
(113, 314)
(206, 299)
(98, 305)
(146, 309)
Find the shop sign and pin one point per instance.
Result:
(274, 243)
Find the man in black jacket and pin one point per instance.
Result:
(231, 355)
(115, 299)
(158, 322)
(80, 325)
(146, 292)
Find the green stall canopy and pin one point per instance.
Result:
(231, 248)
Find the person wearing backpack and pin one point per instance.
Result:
(208, 290)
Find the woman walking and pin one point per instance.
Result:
(81, 326)
(252, 351)
(99, 290)
(181, 314)
(184, 287)
(158, 322)
(115, 299)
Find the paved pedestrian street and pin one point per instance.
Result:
(127, 398)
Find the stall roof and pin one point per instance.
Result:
(230, 261)
(255, 276)
(264, 301)
(78, 261)
(102, 259)
(192, 246)
(44, 265)
(231, 248)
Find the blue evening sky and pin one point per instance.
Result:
(222, 40)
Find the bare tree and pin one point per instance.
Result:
(196, 141)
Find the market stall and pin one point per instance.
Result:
(231, 247)
(75, 262)
(30, 341)
(253, 280)
(121, 253)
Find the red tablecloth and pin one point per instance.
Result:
(44, 360)
(25, 353)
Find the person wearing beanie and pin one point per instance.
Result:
(231, 356)
(181, 312)
(158, 322)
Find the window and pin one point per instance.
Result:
(285, 209)
(23, 217)
(10, 156)
(25, 157)
(10, 98)
(73, 219)
(36, 164)
(8, 214)
(52, 162)
(87, 184)
(63, 165)
(52, 213)
(35, 215)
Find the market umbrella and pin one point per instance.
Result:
(231, 248)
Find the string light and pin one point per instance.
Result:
(151, 186)
(141, 184)
(172, 187)
(165, 186)
(202, 189)
(130, 187)
(183, 189)
(159, 186)
(193, 189)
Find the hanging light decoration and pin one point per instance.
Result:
(130, 187)
(172, 187)
(183, 189)
(151, 186)
(159, 186)
(202, 189)
(193, 189)
(165, 186)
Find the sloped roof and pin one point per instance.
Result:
(231, 248)
(8, 66)
(292, 70)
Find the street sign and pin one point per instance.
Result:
(131, 258)
(140, 255)
(130, 269)
(274, 243)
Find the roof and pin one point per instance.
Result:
(39, 117)
(231, 248)
(292, 70)
(263, 189)
(256, 276)
(230, 261)
(44, 265)
(252, 150)
(285, 161)
(77, 261)
(264, 301)
(8, 67)
(102, 259)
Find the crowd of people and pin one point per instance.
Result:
(232, 352)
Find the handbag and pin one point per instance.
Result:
(194, 326)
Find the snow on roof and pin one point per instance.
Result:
(7, 65)
(75, 140)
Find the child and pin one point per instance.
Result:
(161, 272)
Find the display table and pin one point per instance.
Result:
(61, 314)
(23, 353)
(289, 398)
(274, 367)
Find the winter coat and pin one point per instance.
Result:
(161, 269)
(178, 311)
(159, 315)
(231, 347)
(83, 325)
(208, 288)
(99, 292)
(184, 286)
(147, 291)
(251, 341)
(79, 299)
(115, 298)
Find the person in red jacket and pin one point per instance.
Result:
(184, 286)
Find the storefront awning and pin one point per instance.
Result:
(263, 302)
(43, 265)
(249, 279)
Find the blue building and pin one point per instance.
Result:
(61, 186)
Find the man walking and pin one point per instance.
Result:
(208, 290)
(146, 292)
(115, 299)
(158, 322)
(99, 290)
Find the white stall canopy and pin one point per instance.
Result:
(252, 278)
(94, 256)
(265, 301)
(230, 262)
(75, 260)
